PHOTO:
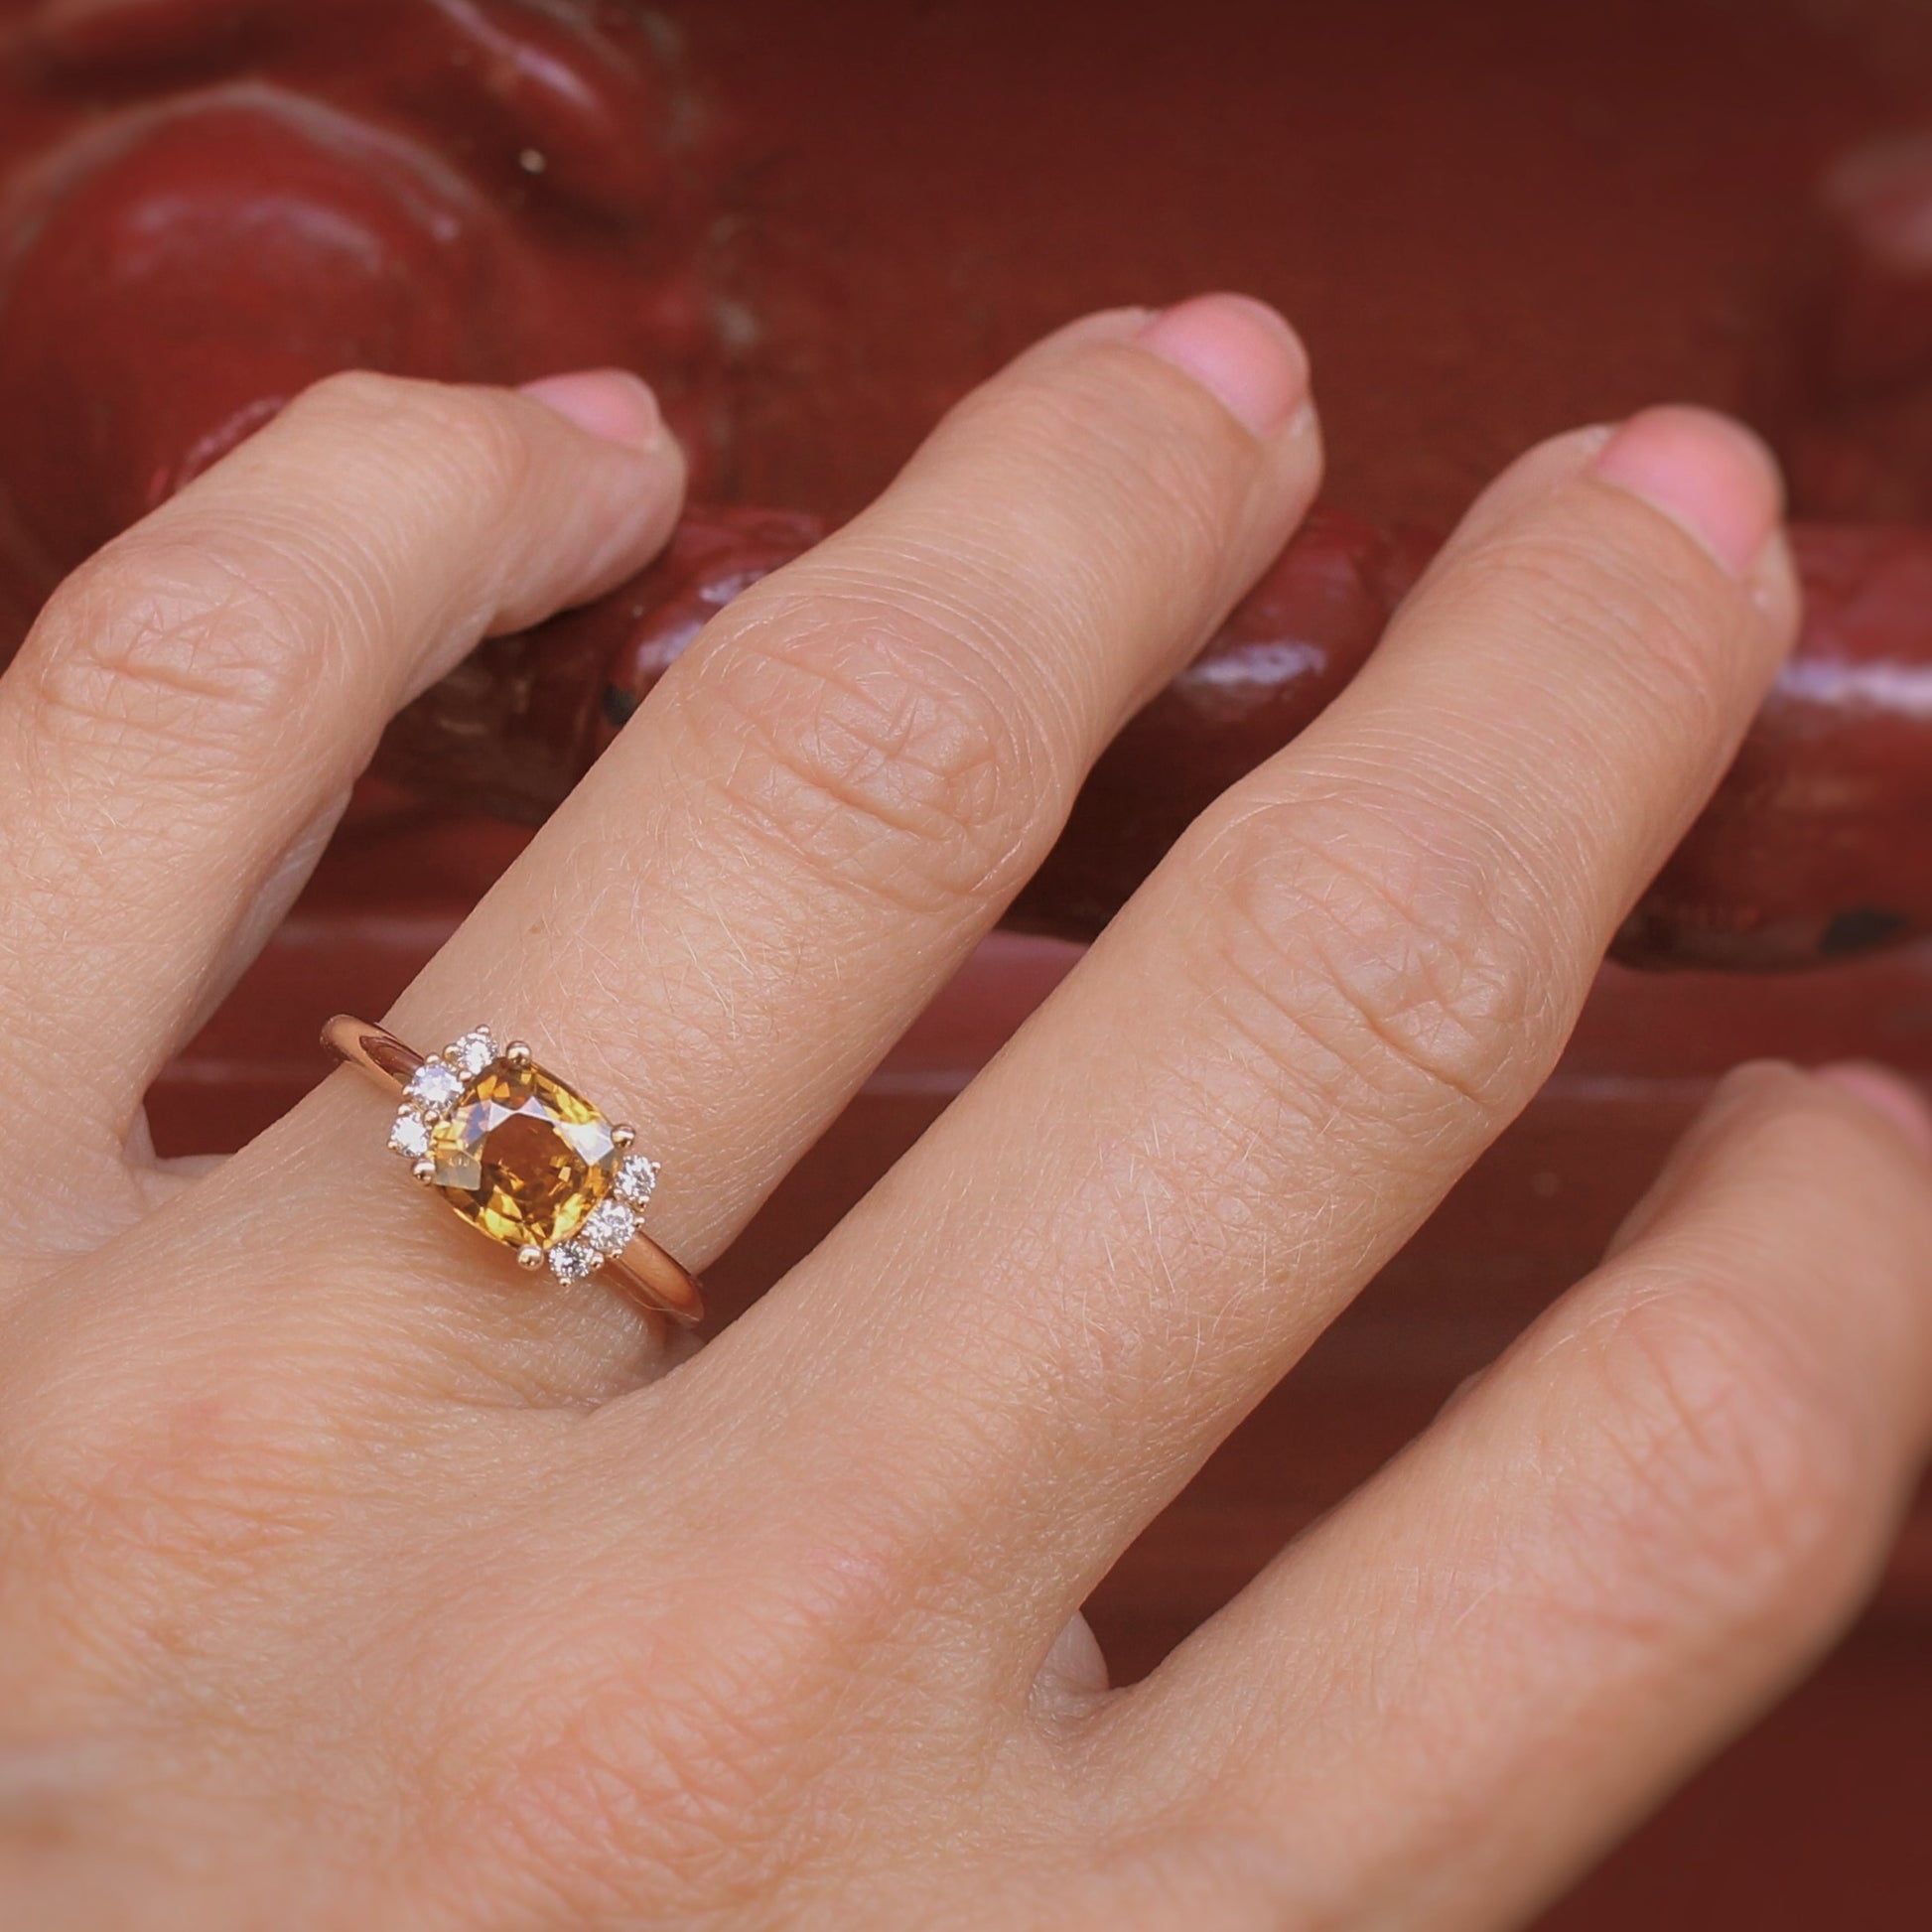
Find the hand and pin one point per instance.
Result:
(353, 1578)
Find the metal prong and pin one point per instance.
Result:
(623, 1137)
(530, 1257)
(518, 1053)
(424, 1171)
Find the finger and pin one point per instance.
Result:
(1344, 982)
(1602, 1561)
(822, 808)
(180, 732)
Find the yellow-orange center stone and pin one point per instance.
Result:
(522, 1157)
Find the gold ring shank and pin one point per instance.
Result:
(644, 1271)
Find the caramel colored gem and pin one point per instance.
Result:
(522, 1157)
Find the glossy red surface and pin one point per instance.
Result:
(205, 205)
(209, 205)
(1812, 851)
(814, 228)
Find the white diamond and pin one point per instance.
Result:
(436, 1088)
(410, 1136)
(472, 1053)
(637, 1179)
(571, 1261)
(609, 1227)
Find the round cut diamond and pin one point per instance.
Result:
(410, 1135)
(522, 1157)
(609, 1227)
(436, 1088)
(572, 1261)
(637, 1179)
(471, 1054)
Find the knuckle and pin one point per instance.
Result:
(1355, 958)
(165, 647)
(865, 739)
(607, 1779)
(145, 1533)
(728, 1735)
(1726, 1486)
(196, 637)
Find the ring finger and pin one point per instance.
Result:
(821, 809)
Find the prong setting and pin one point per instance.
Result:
(531, 1258)
(518, 1053)
(474, 1053)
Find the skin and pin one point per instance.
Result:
(355, 1579)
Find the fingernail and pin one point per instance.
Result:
(1886, 1093)
(1709, 475)
(611, 404)
(1241, 351)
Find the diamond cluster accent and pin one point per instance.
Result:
(484, 1125)
(434, 1090)
(606, 1232)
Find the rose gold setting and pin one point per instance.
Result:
(610, 1243)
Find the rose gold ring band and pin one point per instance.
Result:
(632, 1261)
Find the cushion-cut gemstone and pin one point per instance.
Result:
(522, 1157)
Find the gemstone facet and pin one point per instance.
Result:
(523, 1158)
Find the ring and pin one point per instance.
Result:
(524, 1159)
